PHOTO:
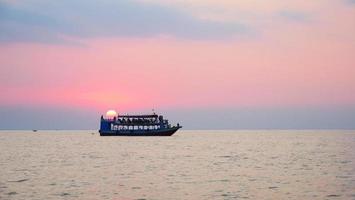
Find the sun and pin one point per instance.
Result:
(111, 114)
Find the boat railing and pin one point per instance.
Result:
(136, 124)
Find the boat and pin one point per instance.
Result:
(137, 125)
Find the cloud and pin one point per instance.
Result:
(295, 16)
(351, 2)
(53, 21)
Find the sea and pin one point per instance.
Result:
(214, 164)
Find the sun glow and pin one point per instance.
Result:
(111, 114)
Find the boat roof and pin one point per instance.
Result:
(138, 116)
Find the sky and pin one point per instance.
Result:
(228, 64)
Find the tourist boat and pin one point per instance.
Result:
(137, 125)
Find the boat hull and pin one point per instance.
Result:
(159, 132)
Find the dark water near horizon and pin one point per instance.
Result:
(189, 165)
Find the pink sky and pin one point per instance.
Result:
(300, 54)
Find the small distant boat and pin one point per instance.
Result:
(137, 125)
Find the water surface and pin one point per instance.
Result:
(188, 165)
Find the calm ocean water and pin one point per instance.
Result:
(188, 165)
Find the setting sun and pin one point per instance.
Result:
(111, 114)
